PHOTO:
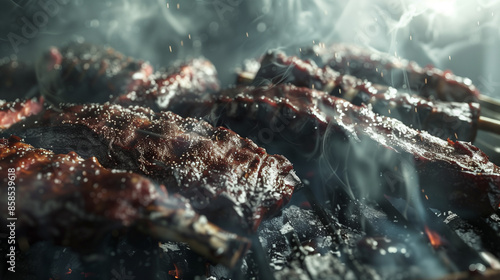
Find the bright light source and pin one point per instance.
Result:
(443, 7)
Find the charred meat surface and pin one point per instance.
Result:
(234, 182)
(82, 72)
(358, 145)
(246, 72)
(389, 70)
(454, 120)
(15, 111)
(194, 77)
(17, 80)
(74, 201)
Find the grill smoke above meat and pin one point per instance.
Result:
(442, 119)
(386, 69)
(17, 80)
(234, 182)
(74, 202)
(359, 145)
(82, 72)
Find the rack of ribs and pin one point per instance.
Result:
(83, 72)
(390, 70)
(450, 174)
(194, 77)
(74, 202)
(454, 120)
(233, 181)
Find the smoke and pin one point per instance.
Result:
(447, 33)
(460, 35)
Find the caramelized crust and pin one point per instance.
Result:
(234, 182)
(444, 119)
(195, 77)
(15, 111)
(373, 153)
(74, 202)
(386, 69)
(82, 73)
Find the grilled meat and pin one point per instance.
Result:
(450, 175)
(385, 69)
(74, 202)
(194, 77)
(82, 72)
(233, 181)
(15, 111)
(442, 119)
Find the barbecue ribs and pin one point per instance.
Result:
(82, 72)
(74, 202)
(373, 153)
(234, 182)
(389, 70)
(195, 77)
(440, 118)
(15, 111)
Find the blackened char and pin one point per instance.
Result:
(15, 111)
(83, 72)
(74, 202)
(234, 182)
(195, 77)
(453, 120)
(389, 70)
(372, 153)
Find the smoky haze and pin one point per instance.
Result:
(459, 35)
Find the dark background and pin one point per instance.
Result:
(468, 32)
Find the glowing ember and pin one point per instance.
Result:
(434, 238)
(176, 273)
